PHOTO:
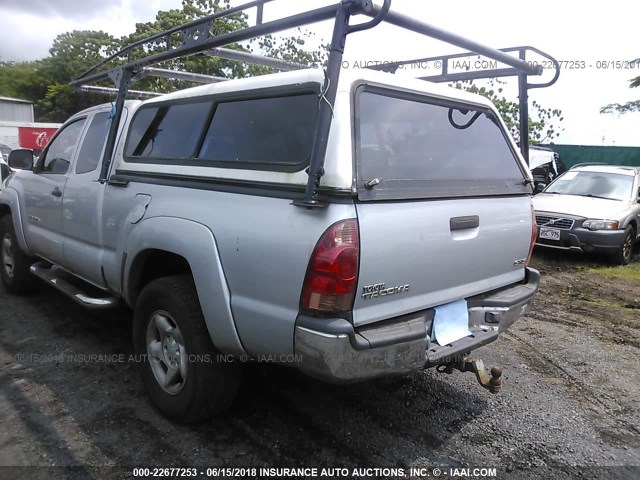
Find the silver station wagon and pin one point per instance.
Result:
(591, 208)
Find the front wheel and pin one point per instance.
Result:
(182, 371)
(623, 255)
(14, 270)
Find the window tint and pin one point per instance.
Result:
(169, 131)
(277, 131)
(89, 156)
(424, 148)
(60, 151)
(139, 126)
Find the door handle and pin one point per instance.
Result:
(462, 223)
(56, 192)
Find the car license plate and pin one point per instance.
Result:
(550, 233)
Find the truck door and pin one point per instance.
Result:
(82, 204)
(43, 193)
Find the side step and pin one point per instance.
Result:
(72, 286)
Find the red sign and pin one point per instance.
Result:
(35, 138)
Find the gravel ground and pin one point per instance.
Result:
(569, 406)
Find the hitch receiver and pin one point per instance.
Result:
(489, 380)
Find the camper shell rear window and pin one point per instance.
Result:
(412, 146)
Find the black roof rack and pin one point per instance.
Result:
(197, 37)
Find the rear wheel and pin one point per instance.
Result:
(180, 367)
(623, 255)
(14, 270)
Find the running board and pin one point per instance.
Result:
(70, 286)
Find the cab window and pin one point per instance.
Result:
(59, 153)
(93, 143)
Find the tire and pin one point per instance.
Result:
(179, 366)
(14, 263)
(624, 254)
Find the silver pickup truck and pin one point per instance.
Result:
(418, 256)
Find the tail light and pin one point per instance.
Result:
(534, 234)
(332, 274)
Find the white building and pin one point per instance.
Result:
(17, 128)
(15, 110)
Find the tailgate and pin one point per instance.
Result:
(444, 208)
(428, 253)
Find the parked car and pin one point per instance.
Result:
(591, 208)
(545, 165)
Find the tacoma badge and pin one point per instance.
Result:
(381, 290)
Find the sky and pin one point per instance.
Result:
(593, 36)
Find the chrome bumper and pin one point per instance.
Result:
(334, 351)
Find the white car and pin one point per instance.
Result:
(591, 208)
(545, 165)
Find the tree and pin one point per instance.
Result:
(629, 107)
(72, 53)
(542, 121)
(22, 80)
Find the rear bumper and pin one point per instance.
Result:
(334, 351)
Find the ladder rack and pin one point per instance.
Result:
(197, 37)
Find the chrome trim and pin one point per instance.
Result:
(59, 279)
(333, 358)
(327, 335)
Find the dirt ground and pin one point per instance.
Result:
(569, 406)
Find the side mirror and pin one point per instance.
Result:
(539, 186)
(21, 159)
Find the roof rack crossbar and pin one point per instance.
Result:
(109, 90)
(254, 59)
(179, 75)
(476, 75)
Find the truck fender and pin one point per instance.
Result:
(9, 198)
(197, 244)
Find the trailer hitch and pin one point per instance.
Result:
(488, 379)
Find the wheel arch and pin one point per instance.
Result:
(630, 220)
(165, 246)
(151, 264)
(9, 205)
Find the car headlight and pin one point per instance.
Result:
(601, 224)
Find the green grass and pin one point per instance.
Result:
(629, 272)
(604, 303)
